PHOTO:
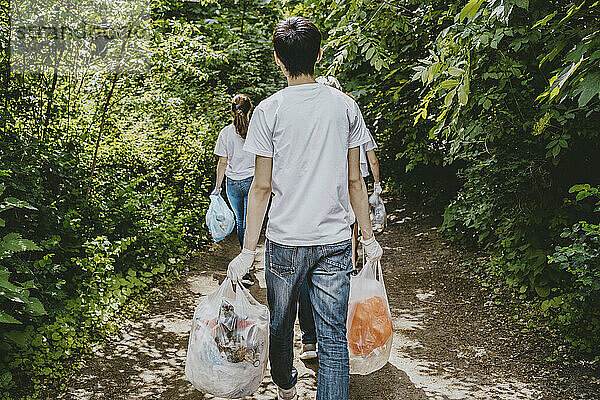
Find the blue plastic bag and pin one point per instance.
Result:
(219, 218)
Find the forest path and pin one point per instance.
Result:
(453, 338)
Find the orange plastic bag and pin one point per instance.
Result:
(369, 324)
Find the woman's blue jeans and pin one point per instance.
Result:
(237, 193)
(326, 270)
(305, 316)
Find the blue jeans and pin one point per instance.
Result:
(305, 316)
(237, 193)
(326, 269)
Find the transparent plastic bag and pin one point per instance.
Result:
(377, 212)
(229, 343)
(219, 218)
(369, 326)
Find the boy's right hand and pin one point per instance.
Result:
(216, 191)
(373, 250)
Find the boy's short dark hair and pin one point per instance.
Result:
(297, 42)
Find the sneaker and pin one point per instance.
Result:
(287, 394)
(247, 280)
(309, 351)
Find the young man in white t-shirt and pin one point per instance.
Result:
(306, 138)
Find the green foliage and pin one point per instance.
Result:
(578, 309)
(489, 111)
(112, 173)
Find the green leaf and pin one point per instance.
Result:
(449, 83)
(463, 94)
(542, 291)
(8, 319)
(587, 88)
(456, 71)
(22, 338)
(560, 79)
(545, 20)
(13, 243)
(35, 307)
(470, 10)
(582, 195)
(5, 379)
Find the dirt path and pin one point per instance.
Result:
(452, 340)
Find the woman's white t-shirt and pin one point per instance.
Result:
(240, 163)
(364, 160)
(307, 130)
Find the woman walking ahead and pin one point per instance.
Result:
(236, 164)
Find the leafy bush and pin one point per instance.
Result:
(490, 111)
(577, 309)
(112, 172)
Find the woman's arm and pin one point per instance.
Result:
(358, 193)
(374, 163)
(221, 166)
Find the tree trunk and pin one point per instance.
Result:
(100, 130)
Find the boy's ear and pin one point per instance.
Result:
(279, 63)
(320, 56)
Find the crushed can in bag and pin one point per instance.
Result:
(369, 325)
(219, 218)
(377, 212)
(229, 343)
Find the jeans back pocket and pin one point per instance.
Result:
(337, 256)
(281, 259)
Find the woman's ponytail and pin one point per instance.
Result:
(240, 109)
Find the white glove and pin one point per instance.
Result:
(377, 188)
(373, 250)
(239, 266)
(216, 191)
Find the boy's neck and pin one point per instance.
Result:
(301, 80)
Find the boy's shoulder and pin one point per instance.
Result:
(277, 98)
(273, 100)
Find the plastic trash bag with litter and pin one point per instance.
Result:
(219, 218)
(377, 212)
(369, 325)
(229, 343)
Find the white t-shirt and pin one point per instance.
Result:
(364, 160)
(307, 130)
(240, 163)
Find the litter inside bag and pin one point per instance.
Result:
(377, 212)
(219, 218)
(229, 343)
(369, 325)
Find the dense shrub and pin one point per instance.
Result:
(489, 110)
(104, 179)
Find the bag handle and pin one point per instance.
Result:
(377, 271)
(245, 292)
